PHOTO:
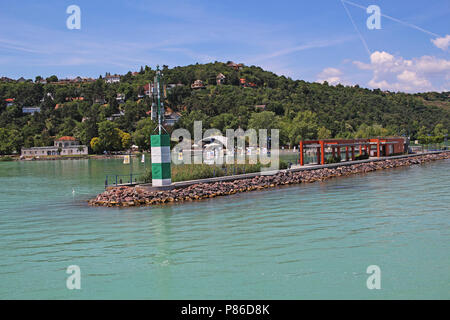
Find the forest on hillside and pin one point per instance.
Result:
(249, 97)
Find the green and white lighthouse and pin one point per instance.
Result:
(160, 143)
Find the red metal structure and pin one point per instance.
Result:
(384, 147)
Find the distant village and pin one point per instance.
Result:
(68, 145)
(170, 116)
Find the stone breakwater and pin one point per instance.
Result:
(135, 196)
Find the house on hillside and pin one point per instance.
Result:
(112, 78)
(99, 100)
(120, 98)
(235, 66)
(220, 79)
(31, 110)
(115, 116)
(198, 84)
(6, 79)
(74, 98)
(48, 95)
(64, 81)
(9, 101)
(147, 89)
(171, 117)
(246, 84)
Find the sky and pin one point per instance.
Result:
(321, 40)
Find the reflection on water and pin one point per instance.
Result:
(307, 241)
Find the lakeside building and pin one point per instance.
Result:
(62, 146)
(376, 147)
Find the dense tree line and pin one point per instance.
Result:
(301, 110)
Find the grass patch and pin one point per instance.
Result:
(185, 172)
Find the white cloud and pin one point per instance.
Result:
(442, 43)
(381, 57)
(330, 75)
(395, 73)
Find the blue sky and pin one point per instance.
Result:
(310, 40)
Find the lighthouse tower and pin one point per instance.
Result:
(160, 143)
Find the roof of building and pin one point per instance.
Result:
(66, 138)
(112, 76)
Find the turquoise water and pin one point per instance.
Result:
(307, 241)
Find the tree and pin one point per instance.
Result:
(303, 127)
(109, 136)
(125, 139)
(52, 78)
(187, 120)
(323, 133)
(439, 133)
(10, 141)
(365, 131)
(263, 120)
(423, 136)
(96, 145)
(144, 129)
(224, 121)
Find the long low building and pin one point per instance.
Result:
(375, 147)
(64, 146)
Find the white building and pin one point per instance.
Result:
(65, 146)
(112, 79)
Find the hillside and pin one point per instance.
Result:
(302, 110)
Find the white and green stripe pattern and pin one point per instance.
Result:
(161, 175)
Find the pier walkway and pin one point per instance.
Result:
(294, 168)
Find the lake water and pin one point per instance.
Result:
(306, 241)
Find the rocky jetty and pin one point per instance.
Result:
(135, 196)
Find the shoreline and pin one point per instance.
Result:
(81, 157)
(127, 196)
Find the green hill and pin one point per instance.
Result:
(300, 109)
